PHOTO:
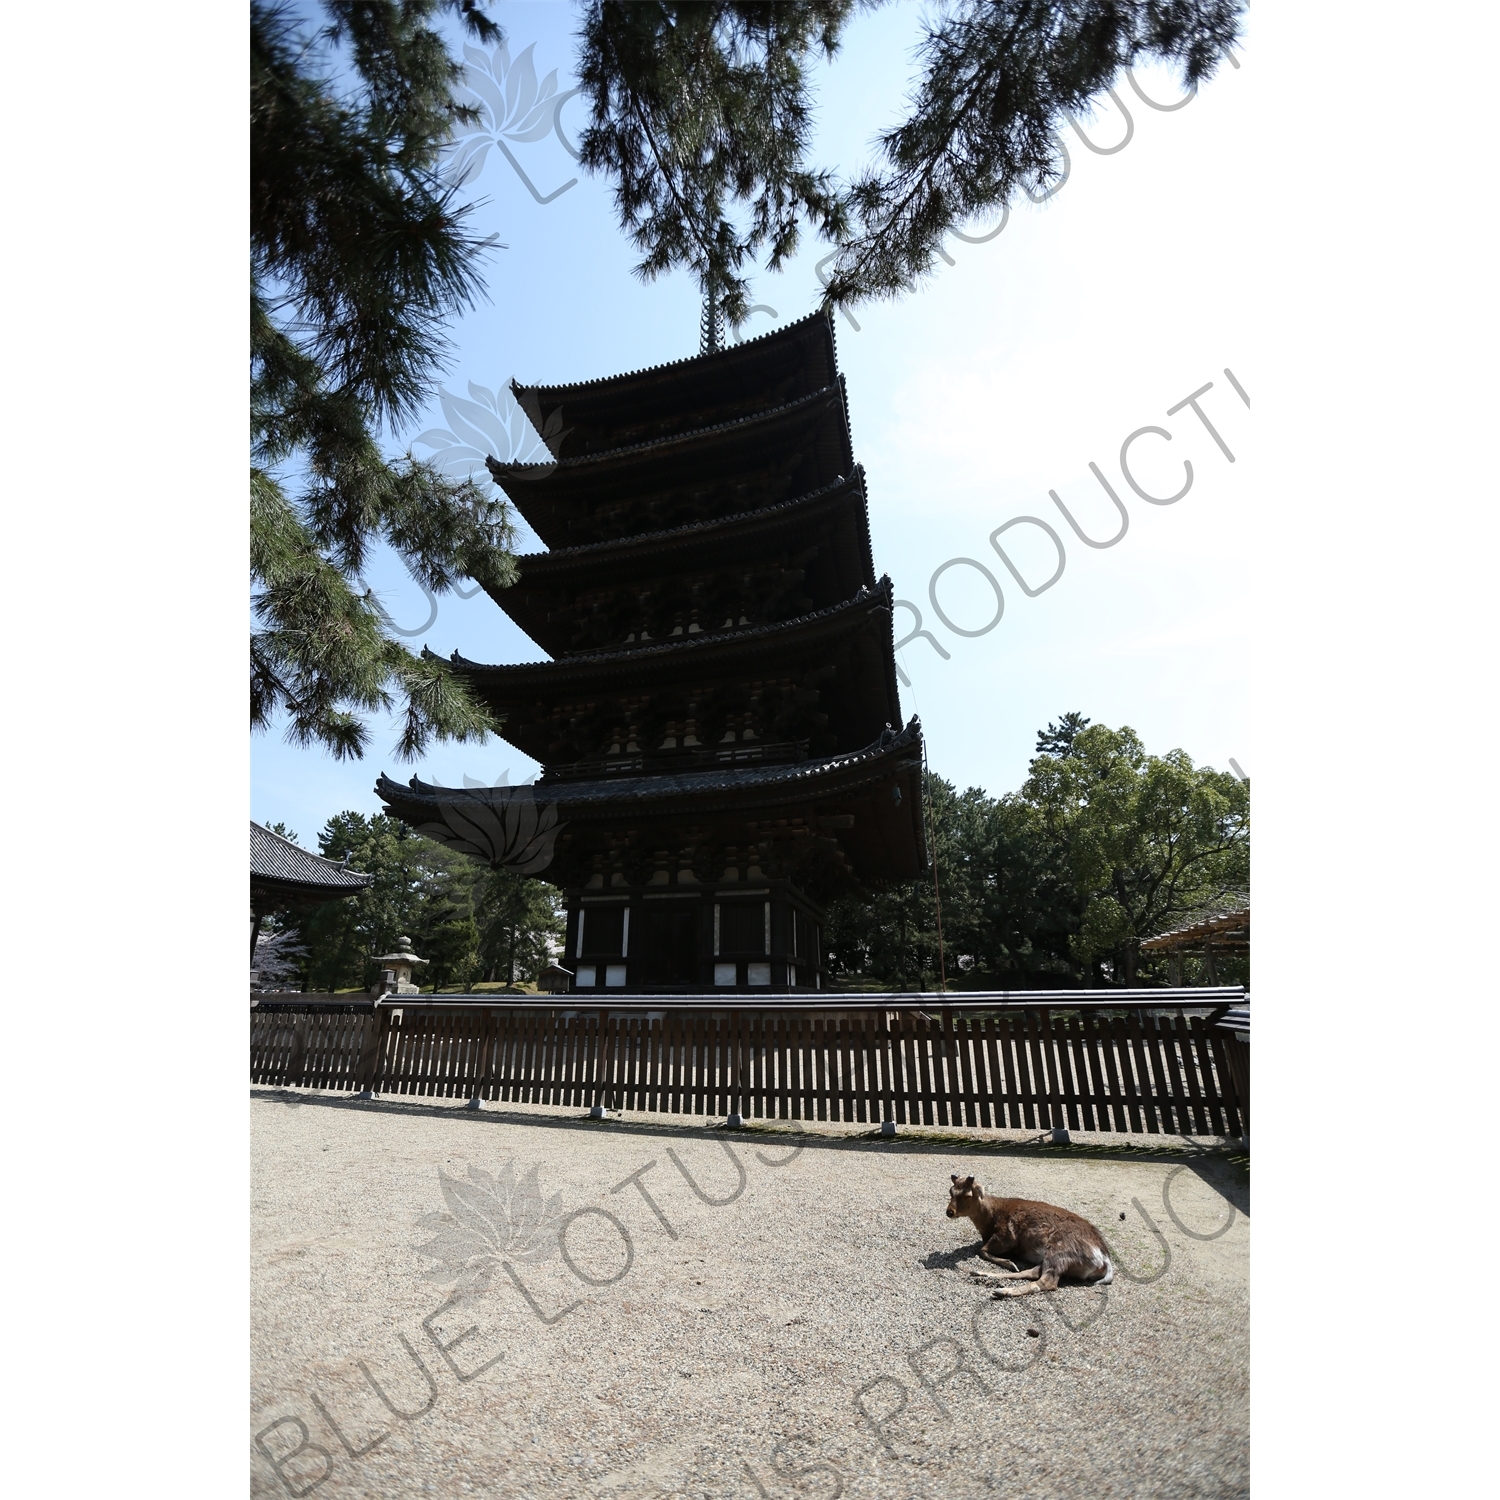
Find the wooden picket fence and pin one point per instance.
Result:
(1130, 1061)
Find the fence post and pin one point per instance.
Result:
(952, 1088)
(367, 1069)
(882, 1072)
(600, 1106)
(297, 1059)
(1237, 1054)
(611, 1058)
(732, 1044)
(491, 1043)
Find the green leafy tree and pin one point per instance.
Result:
(343, 937)
(1057, 739)
(1008, 905)
(358, 256)
(466, 920)
(702, 109)
(998, 80)
(519, 923)
(1059, 882)
(1026, 909)
(701, 113)
(890, 936)
(1147, 839)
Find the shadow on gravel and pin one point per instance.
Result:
(947, 1260)
(1229, 1177)
(1225, 1169)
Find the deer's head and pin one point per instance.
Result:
(963, 1196)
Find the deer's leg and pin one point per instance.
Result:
(1029, 1274)
(1045, 1281)
(993, 1250)
(996, 1260)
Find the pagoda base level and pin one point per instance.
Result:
(748, 938)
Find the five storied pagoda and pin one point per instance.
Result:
(719, 726)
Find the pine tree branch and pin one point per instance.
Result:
(1000, 78)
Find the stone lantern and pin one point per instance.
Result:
(396, 970)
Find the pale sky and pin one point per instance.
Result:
(1036, 354)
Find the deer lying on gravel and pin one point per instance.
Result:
(1058, 1242)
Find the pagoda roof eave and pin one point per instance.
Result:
(658, 392)
(470, 819)
(740, 785)
(728, 539)
(546, 493)
(695, 536)
(735, 353)
(716, 651)
(693, 437)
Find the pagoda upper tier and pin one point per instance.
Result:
(594, 416)
(818, 684)
(754, 568)
(701, 474)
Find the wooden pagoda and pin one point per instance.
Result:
(719, 726)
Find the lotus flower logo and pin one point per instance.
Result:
(490, 424)
(490, 1220)
(500, 825)
(512, 107)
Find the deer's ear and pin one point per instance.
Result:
(969, 1182)
(954, 1176)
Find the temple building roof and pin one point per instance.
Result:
(1225, 926)
(696, 475)
(592, 416)
(817, 548)
(285, 876)
(868, 800)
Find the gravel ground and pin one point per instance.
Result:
(758, 1313)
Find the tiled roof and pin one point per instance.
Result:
(635, 657)
(275, 858)
(693, 438)
(1236, 1018)
(729, 353)
(698, 531)
(1227, 918)
(875, 759)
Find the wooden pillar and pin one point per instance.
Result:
(297, 1060)
(369, 1065)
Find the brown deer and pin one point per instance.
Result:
(1058, 1243)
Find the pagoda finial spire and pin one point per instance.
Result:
(711, 322)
